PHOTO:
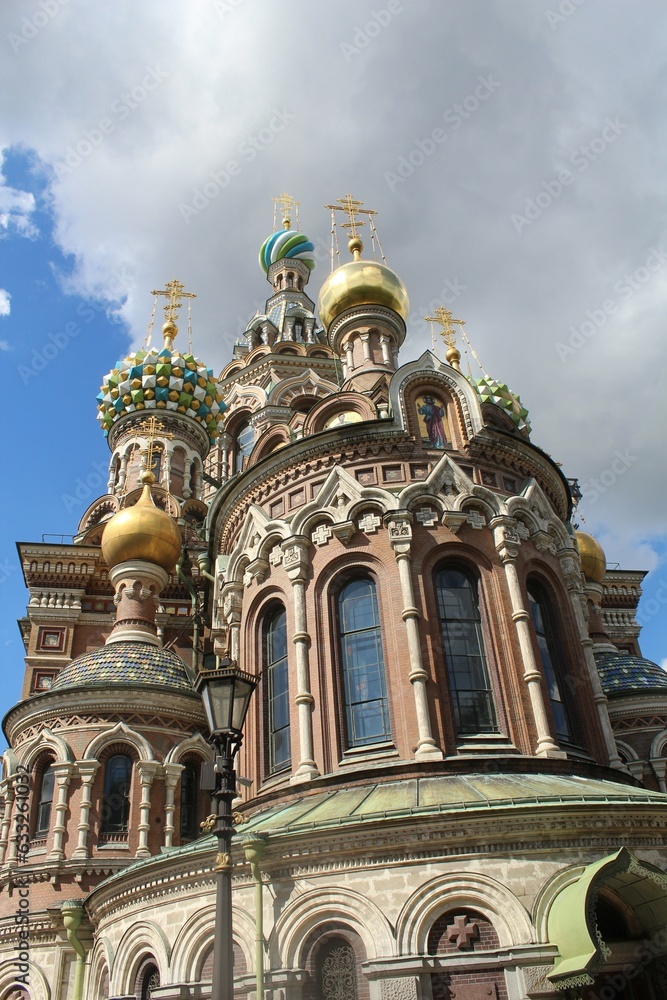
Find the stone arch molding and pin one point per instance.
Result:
(46, 740)
(196, 938)
(195, 743)
(319, 906)
(466, 890)
(120, 732)
(101, 958)
(38, 989)
(258, 535)
(142, 938)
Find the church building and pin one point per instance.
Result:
(453, 775)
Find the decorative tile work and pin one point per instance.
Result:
(624, 674)
(125, 663)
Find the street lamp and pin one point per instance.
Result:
(226, 693)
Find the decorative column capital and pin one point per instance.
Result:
(87, 770)
(296, 559)
(172, 773)
(506, 537)
(399, 528)
(147, 769)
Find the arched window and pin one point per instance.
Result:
(543, 621)
(189, 797)
(116, 802)
(362, 660)
(245, 439)
(43, 819)
(148, 979)
(463, 646)
(275, 664)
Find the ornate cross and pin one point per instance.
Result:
(352, 207)
(287, 204)
(462, 932)
(150, 428)
(174, 293)
(444, 318)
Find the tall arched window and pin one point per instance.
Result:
(543, 621)
(463, 646)
(245, 440)
(275, 662)
(362, 659)
(189, 825)
(116, 802)
(43, 819)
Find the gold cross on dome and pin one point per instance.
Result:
(174, 293)
(444, 318)
(150, 428)
(287, 205)
(352, 207)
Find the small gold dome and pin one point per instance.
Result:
(361, 282)
(593, 559)
(142, 532)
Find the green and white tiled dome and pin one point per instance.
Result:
(161, 380)
(492, 391)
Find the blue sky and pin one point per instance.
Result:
(517, 158)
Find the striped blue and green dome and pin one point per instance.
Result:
(161, 380)
(126, 664)
(286, 243)
(500, 394)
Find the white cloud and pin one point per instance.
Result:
(4, 345)
(16, 208)
(5, 303)
(194, 98)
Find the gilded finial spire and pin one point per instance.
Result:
(353, 207)
(174, 293)
(448, 333)
(287, 204)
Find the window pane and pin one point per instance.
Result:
(45, 801)
(275, 656)
(364, 685)
(189, 796)
(116, 804)
(541, 614)
(463, 646)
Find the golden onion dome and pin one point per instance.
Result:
(361, 283)
(142, 532)
(593, 559)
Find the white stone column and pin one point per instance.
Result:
(569, 560)
(349, 355)
(399, 526)
(366, 346)
(232, 604)
(507, 542)
(63, 775)
(8, 791)
(146, 770)
(172, 773)
(295, 561)
(225, 443)
(186, 478)
(385, 344)
(87, 770)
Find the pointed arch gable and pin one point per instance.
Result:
(46, 740)
(451, 381)
(195, 743)
(119, 733)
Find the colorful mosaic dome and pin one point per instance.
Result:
(286, 243)
(125, 664)
(622, 674)
(491, 391)
(163, 380)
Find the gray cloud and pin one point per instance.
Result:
(321, 99)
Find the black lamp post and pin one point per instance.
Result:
(226, 693)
